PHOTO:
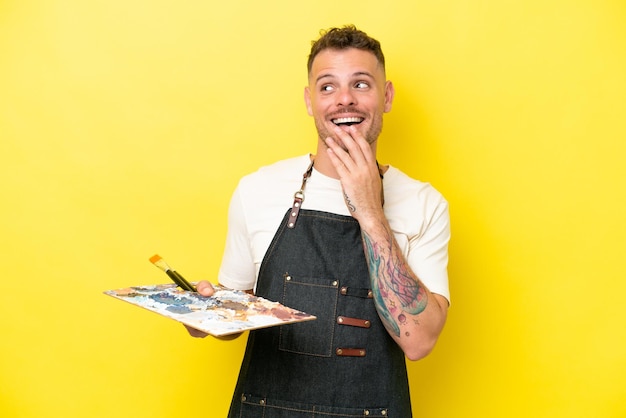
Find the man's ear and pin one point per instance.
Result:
(307, 101)
(389, 93)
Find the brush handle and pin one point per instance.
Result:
(176, 278)
(185, 284)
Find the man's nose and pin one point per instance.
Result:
(346, 97)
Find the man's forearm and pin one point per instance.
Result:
(411, 314)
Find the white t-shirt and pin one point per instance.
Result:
(418, 215)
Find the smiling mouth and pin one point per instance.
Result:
(347, 121)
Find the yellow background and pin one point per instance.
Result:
(125, 125)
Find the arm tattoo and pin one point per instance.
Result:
(351, 207)
(392, 280)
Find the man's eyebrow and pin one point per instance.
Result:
(356, 74)
(323, 76)
(363, 73)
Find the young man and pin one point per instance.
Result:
(363, 247)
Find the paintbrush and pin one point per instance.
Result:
(174, 275)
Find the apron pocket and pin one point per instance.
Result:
(316, 297)
(254, 406)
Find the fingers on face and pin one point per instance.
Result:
(354, 144)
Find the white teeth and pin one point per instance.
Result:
(347, 120)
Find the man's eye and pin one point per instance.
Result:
(327, 88)
(361, 85)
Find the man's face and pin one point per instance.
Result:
(348, 87)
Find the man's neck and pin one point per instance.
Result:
(323, 163)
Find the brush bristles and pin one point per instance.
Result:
(159, 262)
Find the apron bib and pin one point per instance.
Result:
(344, 358)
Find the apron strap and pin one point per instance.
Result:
(298, 198)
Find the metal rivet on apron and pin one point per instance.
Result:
(383, 412)
(335, 283)
(344, 290)
(340, 319)
(287, 278)
(243, 398)
(262, 402)
(290, 224)
(339, 351)
(366, 412)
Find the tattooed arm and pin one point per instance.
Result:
(413, 316)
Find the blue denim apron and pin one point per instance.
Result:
(344, 363)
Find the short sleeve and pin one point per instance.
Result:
(237, 270)
(428, 252)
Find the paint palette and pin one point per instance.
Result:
(226, 312)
